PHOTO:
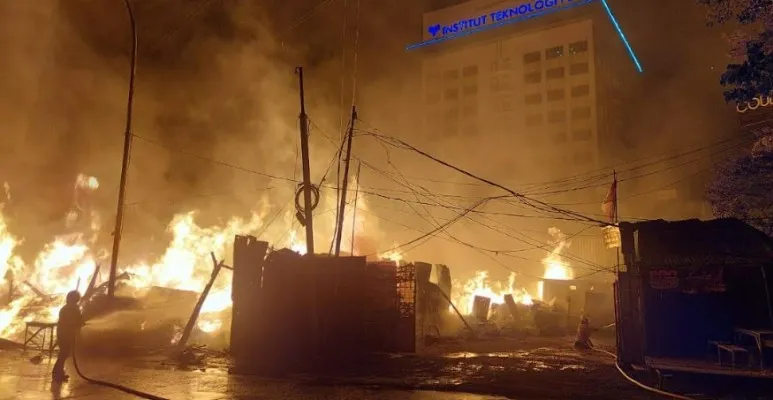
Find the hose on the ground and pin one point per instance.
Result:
(114, 385)
(639, 384)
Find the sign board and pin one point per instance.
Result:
(664, 279)
(757, 102)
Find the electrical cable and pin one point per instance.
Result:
(587, 175)
(111, 385)
(639, 384)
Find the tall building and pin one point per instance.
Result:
(546, 88)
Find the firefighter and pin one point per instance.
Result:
(67, 333)
(584, 330)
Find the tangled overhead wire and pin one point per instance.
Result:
(300, 213)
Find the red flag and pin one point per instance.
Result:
(609, 206)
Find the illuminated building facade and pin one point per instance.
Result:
(546, 88)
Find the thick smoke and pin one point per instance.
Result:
(215, 82)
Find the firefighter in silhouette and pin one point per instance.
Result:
(584, 330)
(67, 333)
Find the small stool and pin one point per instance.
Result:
(34, 342)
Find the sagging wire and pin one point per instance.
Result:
(524, 199)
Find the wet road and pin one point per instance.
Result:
(20, 379)
(538, 369)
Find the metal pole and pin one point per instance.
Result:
(354, 212)
(306, 170)
(344, 185)
(126, 150)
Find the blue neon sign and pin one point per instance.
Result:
(522, 12)
(500, 17)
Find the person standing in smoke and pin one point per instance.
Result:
(67, 332)
(583, 342)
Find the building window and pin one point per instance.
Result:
(534, 98)
(452, 114)
(583, 158)
(470, 90)
(531, 58)
(533, 77)
(556, 94)
(507, 105)
(554, 52)
(578, 47)
(451, 75)
(582, 135)
(580, 90)
(555, 73)
(451, 94)
(433, 98)
(581, 113)
(470, 111)
(470, 71)
(559, 137)
(433, 78)
(502, 65)
(578, 68)
(556, 116)
(534, 120)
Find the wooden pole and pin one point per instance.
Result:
(126, 156)
(345, 184)
(197, 309)
(354, 212)
(90, 289)
(307, 205)
(457, 311)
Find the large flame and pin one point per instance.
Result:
(68, 262)
(479, 285)
(555, 266)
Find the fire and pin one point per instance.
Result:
(68, 262)
(480, 286)
(392, 255)
(555, 266)
(295, 244)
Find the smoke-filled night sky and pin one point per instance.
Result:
(217, 104)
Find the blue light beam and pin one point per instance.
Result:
(622, 36)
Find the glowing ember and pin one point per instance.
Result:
(480, 286)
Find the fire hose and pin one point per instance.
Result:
(639, 384)
(111, 385)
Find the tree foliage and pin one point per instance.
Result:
(753, 41)
(742, 188)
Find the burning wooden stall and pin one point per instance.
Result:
(292, 311)
(685, 283)
(580, 297)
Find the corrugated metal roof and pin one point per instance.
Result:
(693, 242)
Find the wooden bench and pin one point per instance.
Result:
(733, 350)
(714, 343)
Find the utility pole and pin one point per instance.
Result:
(125, 164)
(307, 206)
(342, 206)
(354, 212)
